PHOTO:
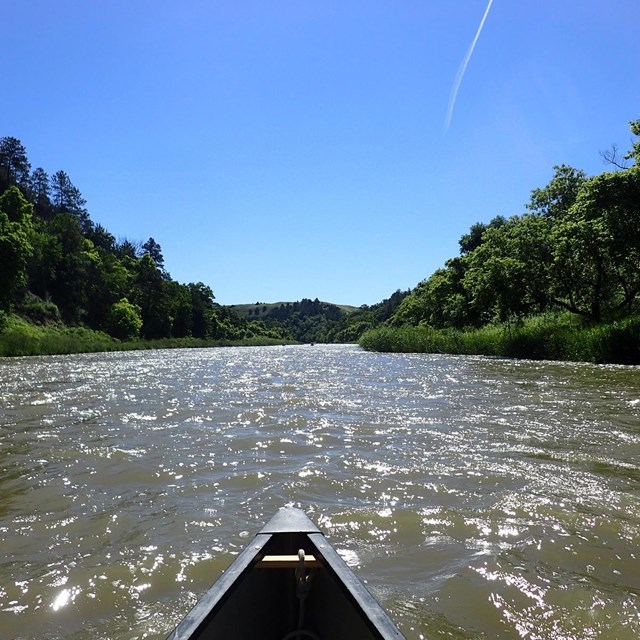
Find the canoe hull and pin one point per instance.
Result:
(251, 600)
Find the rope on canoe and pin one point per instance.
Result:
(303, 586)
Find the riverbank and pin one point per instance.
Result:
(19, 337)
(539, 338)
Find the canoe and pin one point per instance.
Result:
(288, 583)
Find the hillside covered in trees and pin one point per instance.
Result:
(563, 274)
(316, 321)
(59, 267)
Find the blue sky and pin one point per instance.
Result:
(286, 149)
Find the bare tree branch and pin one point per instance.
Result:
(612, 156)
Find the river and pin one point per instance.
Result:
(476, 497)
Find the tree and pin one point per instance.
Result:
(151, 295)
(117, 276)
(106, 281)
(17, 208)
(127, 249)
(202, 301)
(70, 281)
(14, 165)
(40, 193)
(508, 275)
(102, 239)
(440, 301)
(496, 280)
(554, 200)
(472, 240)
(153, 249)
(66, 198)
(181, 311)
(596, 262)
(47, 255)
(124, 320)
(15, 250)
(15, 244)
(634, 152)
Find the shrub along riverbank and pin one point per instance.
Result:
(21, 338)
(557, 337)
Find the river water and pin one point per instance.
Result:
(477, 498)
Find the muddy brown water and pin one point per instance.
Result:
(477, 498)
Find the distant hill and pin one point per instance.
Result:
(316, 321)
(259, 310)
(307, 320)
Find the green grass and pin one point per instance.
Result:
(18, 337)
(22, 338)
(553, 337)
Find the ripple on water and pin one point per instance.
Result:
(129, 482)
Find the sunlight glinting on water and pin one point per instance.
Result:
(129, 481)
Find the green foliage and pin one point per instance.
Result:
(350, 328)
(634, 152)
(549, 337)
(425, 339)
(403, 340)
(555, 200)
(440, 301)
(14, 165)
(617, 342)
(471, 241)
(596, 259)
(20, 338)
(15, 244)
(306, 320)
(151, 294)
(17, 208)
(576, 251)
(40, 193)
(40, 311)
(355, 322)
(153, 249)
(66, 198)
(507, 276)
(125, 321)
(315, 321)
(56, 264)
(69, 264)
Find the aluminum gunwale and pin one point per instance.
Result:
(197, 619)
(285, 522)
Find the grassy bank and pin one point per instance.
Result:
(540, 338)
(21, 338)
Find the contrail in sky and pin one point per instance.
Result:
(463, 68)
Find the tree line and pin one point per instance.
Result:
(576, 249)
(573, 253)
(316, 321)
(58, 265)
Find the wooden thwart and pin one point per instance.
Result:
(287, 562)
